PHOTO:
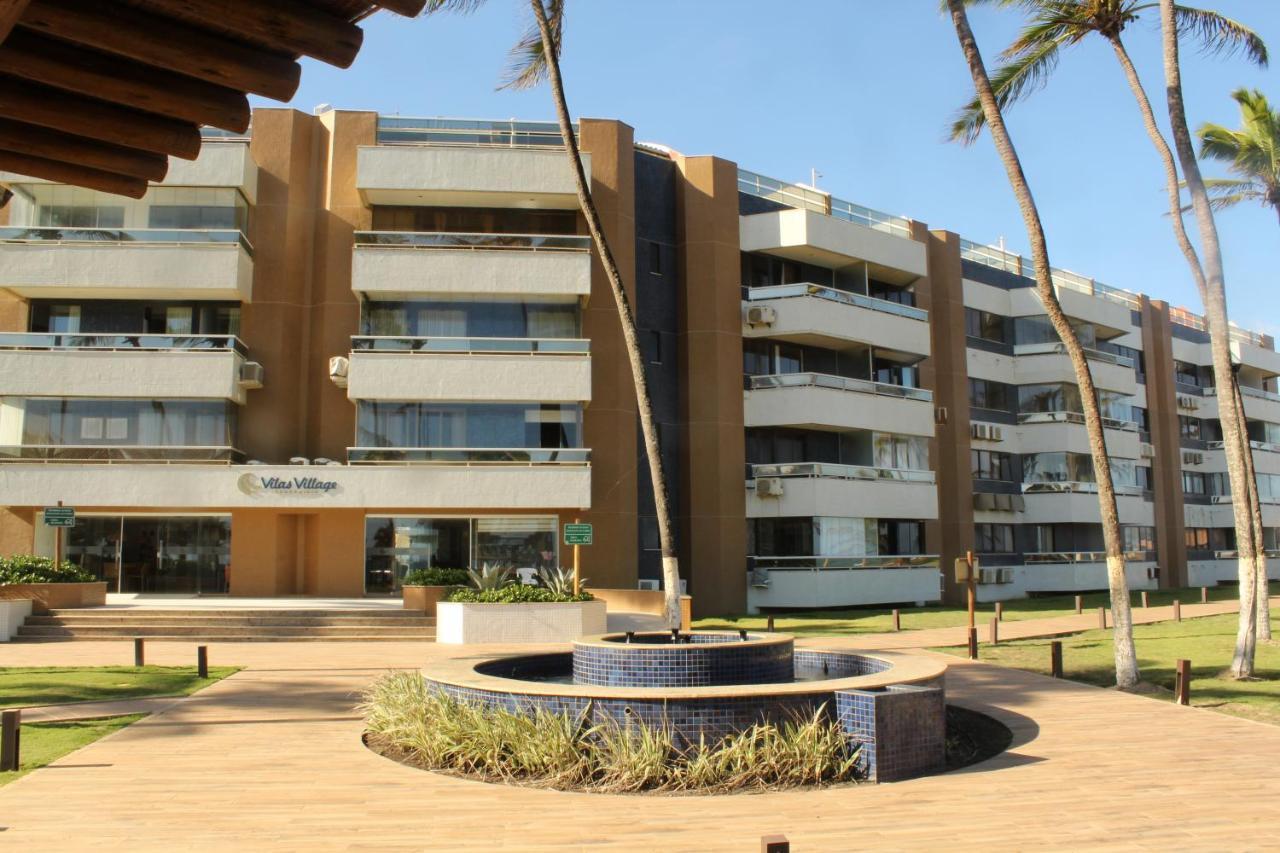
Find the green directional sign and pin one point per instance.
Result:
(60, 516)
(577, 534)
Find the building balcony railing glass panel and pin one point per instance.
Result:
(1256, 445)
(1078, 487)
(838, 383)
(1073, 418)
(162, 236)
(788, 291)
(77, 341)
(1034, 557)
(1060, 348)
(468, 456)
(836, 471)
(119, 453)
(458, 240)
(1247, 391)
(1269, 553)
(817, 563)
(997, 258)
(802, 197)
(532, 346)
(397, 130)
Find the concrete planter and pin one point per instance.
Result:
(13, 613)
(54, 596)
(423, 599)
(535, 622)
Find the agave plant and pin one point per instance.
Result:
(559, 580)
(491, 576)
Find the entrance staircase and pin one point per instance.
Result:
(231, 625)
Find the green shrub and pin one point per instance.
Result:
(402, 714)
(27, 568)
(436, 577)
(516, 593)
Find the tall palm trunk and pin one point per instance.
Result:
(1126, 659)
(1215, 310)
(670, 566)
(1227, 404)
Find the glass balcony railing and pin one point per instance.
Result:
(1246, 391)
(143, 236)
(846, 563)
(157, 343)
(1266, 446)
(997, 258)
(1073, 418)
(838, 383)
(120, 453)
(468, 456)
(1059, 348)
(458, 240)
(531, 346)
(807, 198)
(840, 472)
(470, 133)
(1076, 486)
(788, 291)
(1041, 557)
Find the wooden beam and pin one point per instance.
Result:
(289, 26)
(122, 81)
(67, 173)
(94, 119)
(408, 8)
(22, 138)
(162, 43)
(10, 12)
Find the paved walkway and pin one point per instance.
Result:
(271, 758)
(94, 710)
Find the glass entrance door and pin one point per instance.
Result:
(175, 555)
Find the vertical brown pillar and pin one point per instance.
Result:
(274, 324)
(17, 531)
(946, 371)
(1166, 465)
(13, 309)
(712, 448)
(609, 425)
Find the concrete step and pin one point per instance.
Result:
(149, 612)
(222, 638)
(245, 620)
(181, 631)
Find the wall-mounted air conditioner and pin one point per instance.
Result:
(1147, 450)
(769, 487)
(339, 366)
(1190, 457)
(251, 375)
(761, 315)
(1186, 401)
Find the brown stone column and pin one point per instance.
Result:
(17, 531)
(1166, 465)
(610, 426)
(713, 443)
(946, 371)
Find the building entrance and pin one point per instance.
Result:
(139, 554)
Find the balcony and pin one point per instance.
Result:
(825, 317)
(1046, 363)
(1050, 503)
(816, 238)
(468, 456)
(822, 581)
(479, 176)
(1259, 404)
(1080, 571)
(395, 264)
(134, 366)
(820, 488)
(119, 454)
(140, 263)
(222, 163)
(1045, 432)
(822, 401)
(470, 369)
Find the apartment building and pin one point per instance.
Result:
(350, 345)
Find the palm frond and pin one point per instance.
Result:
(1218, 142)
(461, 7)
(527, 61)
(1020, 76)
(1219, 34)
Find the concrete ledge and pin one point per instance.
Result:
(650, 601)
(13, 613)
(423, 599)
(535, 622)
(56, 596)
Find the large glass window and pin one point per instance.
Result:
(1138, 538)
(901, 451)
(474, 220)
(1038, 330)
(1065, 397)
(991, 465)
(130, 317)
(993, 538)
(1062, 467)
(497, 425)
(148, 423)
(988, 394)
(1189, 427)
(986, 325)
(465, 319)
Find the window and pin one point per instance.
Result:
(993, 538)
(1143, 478)
(80, 216)
(986, 325)
(987, 394)
(991, 465)
(1188, 427)
(1138, 538)
(194, 216)
(766, 271)
(655, 258)
(478, 425)
(115, 422)
(890, 293)
(654, 347)
(1185, 373)
(889, 372)
(461, 319)
(901, 451)
(64, 318)
(901, 537)
(474, 220)
(1193, 483)
(1197, 538)
(1140, 417)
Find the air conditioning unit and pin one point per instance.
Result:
(995, 433)
(769, 487)
(1004, 502)
(649, 584)
(982, 431)
(1147, 450)
(941, 416)
(1018, 503)
(983, 500)
(299, 460)
(995, 575)
(251, 375)
(761, 315)
(1186, 401)
(1190, 457)
(339, 366)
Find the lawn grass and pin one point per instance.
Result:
(1207, 642)
(25, 687)
(835, 623)
(44, 743)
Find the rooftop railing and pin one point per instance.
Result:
(1073, 418)
(112, 236)
(458, 240)
(1000, 259)
(1192, 320)
(838, 383)
(122, 342)
(470, 346)
(166, 454)
(789, 291)
(837, 471)
(818, 563)
(468, 456)
(807, 198)
(1059, 348)
(397, 130)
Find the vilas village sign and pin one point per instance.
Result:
(302, 487)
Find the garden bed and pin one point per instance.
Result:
(525, 622)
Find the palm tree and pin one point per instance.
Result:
(1028, 61)
(536, 57)
(1252, 153)
(1126, 659)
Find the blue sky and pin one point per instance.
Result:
(863, 91)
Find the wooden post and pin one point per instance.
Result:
(774, 844)
(972, 585)
(139, 652)
(995, 631)
(1177, 610)
(577, 570)
(1146, 601)
(1079, 604)
(10, 739)
(1000, 610)
(1055, 658)
(1182, 682)
(202, 661)
(1102, 618)
(897, 619)
(1204, 595)
(769, 625)
(973, 644)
